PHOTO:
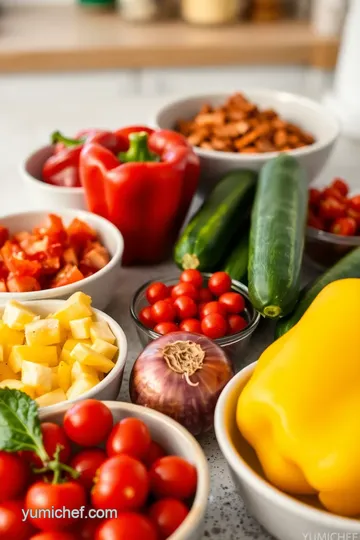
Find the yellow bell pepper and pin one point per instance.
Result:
(300, 410)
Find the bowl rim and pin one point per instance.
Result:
(226, 340)
(41, 184)
(256, 482)
(331, 238)
(43, 294)
(121, 340)
(195, 516)
(265, 92)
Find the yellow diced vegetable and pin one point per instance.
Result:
(2, 353)
(8, 336)
(68, 347)
(40, 354)
(79, 371)
(80, 386)
(14, 361)
(51, 398)
(54, 378)
(75, 307)
(37, 376)
(80, 329)
(105, 348)
(86, 355)
(43, 332)
(64, 376)
(17, 316)
(101, 330)
(7, 373)
(14, 384)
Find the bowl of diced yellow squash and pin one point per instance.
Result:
(61, 350)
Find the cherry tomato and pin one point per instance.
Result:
(87, 462)
(12, 524)
(191, 325)
(232, 302)
(354, 203)
(122, 484)
(354, 215)
(169, 300)
(14, 474)
(212, 307)
(185, 289)
(88, 529)
(166, 328)
(205, 295)
(163, 312)
(214, 326)
(53, 436)
(332, 192)
(315, 221)
(185, 307)
(341, 186)
(314, 196)
(167, 515)
(88, 422)
(145, 317)
(219, 283)
(155, 452)
(55, 535)
(173, 476)
(156, 291)
(127, 526)
(192, 276)
(345, 226)
(331, 208)
(236, 324)
(131, 436)
(42, 496)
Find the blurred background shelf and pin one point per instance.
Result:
(42, 39)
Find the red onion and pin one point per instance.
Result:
(181, 375)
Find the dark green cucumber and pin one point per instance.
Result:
(237, 262)
(206, 238)
(347, 267)
(277, 234)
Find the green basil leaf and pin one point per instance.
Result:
(20, 423)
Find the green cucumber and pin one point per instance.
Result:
(206, 238)
(277, 236)
(237, 262)
(347, 267)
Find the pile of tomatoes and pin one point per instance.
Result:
(332, 210)
(192, 307)
(49, 256)
(130, 473)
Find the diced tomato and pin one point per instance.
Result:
(331, 208)
(54, 229)
(16, 262)
(86, 270)
(96, 257)
(80, 233)
(4, 272)
(50, 265)
(69, 256)
(314, 196)
(341, 186)
(345, 226)
(22, 284)
(3, 287)
(4, 235)
(332, 192)
(69, 274)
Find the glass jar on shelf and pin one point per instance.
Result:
(97, 5)
(212, 12)
(145, 10)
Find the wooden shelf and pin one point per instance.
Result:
(71, 39)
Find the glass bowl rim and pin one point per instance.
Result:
(330, 238)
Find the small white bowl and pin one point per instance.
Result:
(176, 440)
(101, 285)
(109, 387)
(47, 195)
(308, 114)
(285, 517)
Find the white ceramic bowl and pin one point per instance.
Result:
(285, 517)
(177, 441)
(109, 387)
(308, 114)
(46, 195)
(101, 285)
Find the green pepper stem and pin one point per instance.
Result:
(58, 137)
(138, 149)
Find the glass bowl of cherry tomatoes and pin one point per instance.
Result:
(333, 223)
(202, 303)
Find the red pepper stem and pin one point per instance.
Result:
(58, 137)
(138, 149)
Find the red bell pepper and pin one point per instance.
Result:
(145, 191)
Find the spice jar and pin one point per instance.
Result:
(98, 4)
(266, 10)
(139, 10)
(210, 12)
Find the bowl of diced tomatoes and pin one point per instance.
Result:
(52, 255)
(333, 223)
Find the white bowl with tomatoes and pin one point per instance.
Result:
(47, 255)
(136, 472)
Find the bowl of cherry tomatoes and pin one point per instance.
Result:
(134, 471)
(333, 223)
(202, 303)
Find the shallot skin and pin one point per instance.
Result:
(190, 400)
